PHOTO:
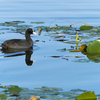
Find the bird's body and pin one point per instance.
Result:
(19, 43)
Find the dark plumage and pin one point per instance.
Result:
(20, 43)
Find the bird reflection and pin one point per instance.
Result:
(13, 52)
(28, 57)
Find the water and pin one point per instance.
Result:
(68, 74)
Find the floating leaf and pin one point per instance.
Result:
(8, 22)
(3, 86)
(75, 50)
(34, 98)
(37, 40)
(62, 50)
(18, 21)
(61, 36)
(3, 97)
(53, 34)
(56, 56)
(86, 27)
(45, 88)
(78, 90)
(14, 90)
(53, 27)
(83, 47)
(94, 47)
(61, 40)
(24, 26)
(87, 96)
(58, 27)
(37, 22)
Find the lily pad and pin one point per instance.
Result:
(18, 21)
(86, 27)
(14, 90)
(94, 47)
(3, 97)
(87, 96)
(37, 22)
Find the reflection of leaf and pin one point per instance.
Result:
(87, 96)
(94, 58)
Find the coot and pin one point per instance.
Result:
(20, 43)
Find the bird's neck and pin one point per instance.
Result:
(28, 38)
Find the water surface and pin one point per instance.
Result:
(69, 73)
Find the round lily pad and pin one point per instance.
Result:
(86, 27)
(94, 47)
